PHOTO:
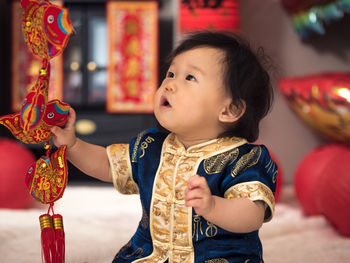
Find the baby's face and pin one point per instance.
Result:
(192, 94)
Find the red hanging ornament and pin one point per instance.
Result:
(46, 28)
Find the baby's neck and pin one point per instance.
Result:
(189, 141)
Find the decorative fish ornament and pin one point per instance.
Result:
(46, 27)
(34, 122)
(46, 179)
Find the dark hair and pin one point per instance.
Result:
(244, 76)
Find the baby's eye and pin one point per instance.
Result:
(190, 77)
(170, 74)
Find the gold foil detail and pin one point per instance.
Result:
(254, 191)
(247, 160)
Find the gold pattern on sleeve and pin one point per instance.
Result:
(217, 163)
(217, 260)
(247, 160)
(118, 155)
(254, 191)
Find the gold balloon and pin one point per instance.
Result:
(322, 102)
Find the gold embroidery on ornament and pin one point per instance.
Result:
(247, 160)
(217, 163)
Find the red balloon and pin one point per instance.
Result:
(14, 162)
(308, 173)
(333, 192)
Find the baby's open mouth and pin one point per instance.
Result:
(164, 102)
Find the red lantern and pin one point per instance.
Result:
(332, 192)
(308, 173)
(14, 162)
(214, 15)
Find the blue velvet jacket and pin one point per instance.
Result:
(157, 166)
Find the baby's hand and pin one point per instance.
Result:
(198, 195)
(66, 135)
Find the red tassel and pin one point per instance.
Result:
(47, 238)
(52, 237)
(59, 238)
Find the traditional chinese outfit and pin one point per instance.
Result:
(157, 166)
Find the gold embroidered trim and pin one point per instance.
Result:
(247, 160)
(254, 191)
(217, 163)
(118, 155)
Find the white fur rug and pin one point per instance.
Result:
(98, 221)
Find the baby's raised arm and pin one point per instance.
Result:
(89, 158)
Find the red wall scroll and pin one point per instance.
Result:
(133, 56)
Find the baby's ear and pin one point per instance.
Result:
(232, 113)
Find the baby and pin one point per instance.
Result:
(204, 189)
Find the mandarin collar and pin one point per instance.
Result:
(212, 147)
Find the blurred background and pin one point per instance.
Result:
(109, 71)
(83, 79)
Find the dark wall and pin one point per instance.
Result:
(5, 58)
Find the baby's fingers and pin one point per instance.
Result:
(71, 119)
(196, 181)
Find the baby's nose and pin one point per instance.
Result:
(171, 86)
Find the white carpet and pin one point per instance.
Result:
(98, 221)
